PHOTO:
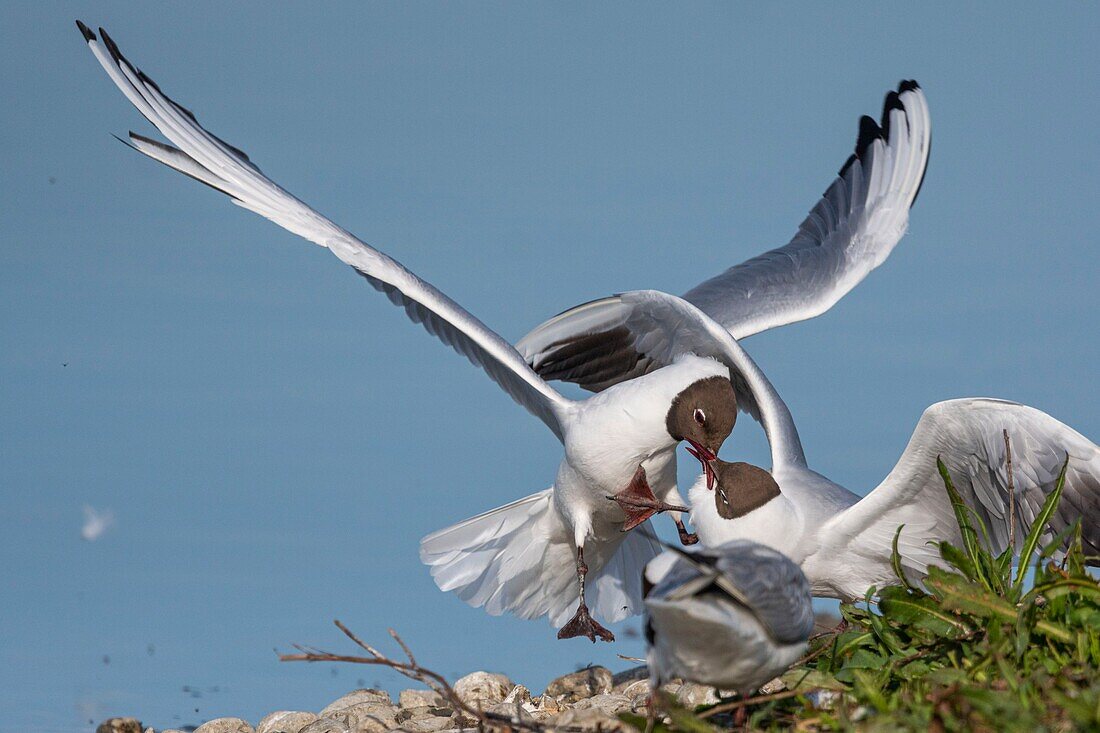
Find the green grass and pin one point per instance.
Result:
(977, 649)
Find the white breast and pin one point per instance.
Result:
(778, 524)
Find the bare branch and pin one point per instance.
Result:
(413, 670)
(737, 704)
(348, 633)
(408, 652)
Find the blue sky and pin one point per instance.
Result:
(273, 437)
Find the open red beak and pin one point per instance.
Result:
(706, 457)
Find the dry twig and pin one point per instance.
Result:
(413, 670)
(745, 702)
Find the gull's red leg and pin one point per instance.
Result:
(582, 623)
(639, 503)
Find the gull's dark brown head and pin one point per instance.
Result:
(703, 414)
(741, 488)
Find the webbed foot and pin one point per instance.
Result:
(686, 538)
(582, 624)
(639, 503)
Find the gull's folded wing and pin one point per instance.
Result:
(759, 579)
(206, 158)
(849, 232)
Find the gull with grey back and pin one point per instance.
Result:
(537, 556)
(732, 617)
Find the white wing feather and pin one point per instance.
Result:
(968, 435)
(852, 230)
(848, 233)
(212, 161)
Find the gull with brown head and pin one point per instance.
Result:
(554, 553)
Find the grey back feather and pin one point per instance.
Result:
(759, 579)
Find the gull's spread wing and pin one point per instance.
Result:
(849, 232)
(207, 158)
(968, 435)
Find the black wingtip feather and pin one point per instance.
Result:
(127, 143)
(891, 102)
(847, 164)
(110, 44)
(163, 146)
(116, 54)
(85, 31)
(145, 78)
(869, 131)
(150, 141)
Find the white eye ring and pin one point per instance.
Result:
(700, 416)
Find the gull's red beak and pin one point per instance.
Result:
(706, 457)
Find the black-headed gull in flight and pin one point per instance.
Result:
(852, 230)
(532, 557)
(732, 617)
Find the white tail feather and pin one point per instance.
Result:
(520, 559)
